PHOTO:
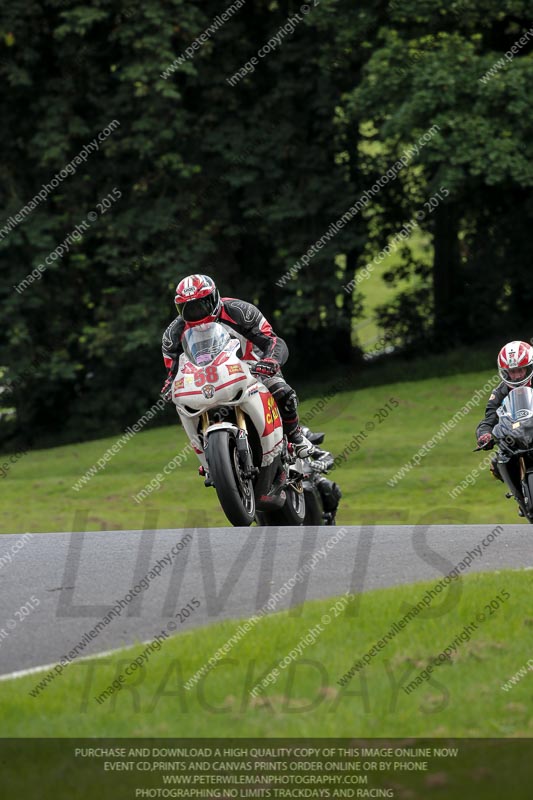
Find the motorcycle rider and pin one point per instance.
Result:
(198, 301)
(515, 366)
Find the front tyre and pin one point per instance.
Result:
(529, 504)
(235, 491)
(314, 511)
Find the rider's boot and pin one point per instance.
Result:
(315, 437)
(301, 446)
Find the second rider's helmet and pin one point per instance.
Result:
(515, 364)
(197, 299)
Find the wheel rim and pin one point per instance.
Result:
(297, 502)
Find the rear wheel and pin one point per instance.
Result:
(292, 512)
(235, 491)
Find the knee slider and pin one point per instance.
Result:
(286, 398)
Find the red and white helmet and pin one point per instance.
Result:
(197, 299)
(515, 364)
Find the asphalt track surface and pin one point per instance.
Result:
(233, 572)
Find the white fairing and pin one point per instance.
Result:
(226, 381)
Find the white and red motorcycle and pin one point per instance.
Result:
(234, 426)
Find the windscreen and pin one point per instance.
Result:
(518, 404)
(202, 343)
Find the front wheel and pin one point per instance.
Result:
(235, 491)
(314, 510)
(529, 504)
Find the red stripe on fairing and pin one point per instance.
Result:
(220, 359)
(222, 385)
(168, 361)
(249, 351)
(273, 448)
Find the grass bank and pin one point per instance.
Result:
(462, 697)
(373, 432)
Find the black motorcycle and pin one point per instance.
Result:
(514, 437)
(321, 495)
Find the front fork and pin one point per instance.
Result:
(244, 454)
(528, 500)
(241, 441)
(520, 493)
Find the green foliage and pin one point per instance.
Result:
(240, 181)
(426, 69)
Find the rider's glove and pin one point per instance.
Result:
(323, 461)
(267, 367)
(166, 389)
(485, 441)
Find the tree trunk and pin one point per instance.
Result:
(447, 325)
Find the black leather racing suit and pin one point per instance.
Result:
(495, 400)
(497, 396)
(245, 322)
